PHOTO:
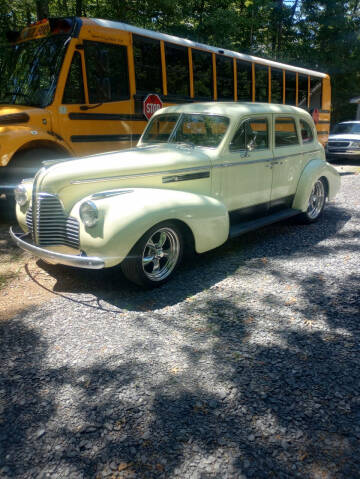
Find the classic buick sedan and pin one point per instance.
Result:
(201, 173)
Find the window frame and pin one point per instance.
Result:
(296, 123)
(249, 118)
(76, 53)
(311, 129)
(123, 98)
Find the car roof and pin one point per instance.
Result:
(346, 122)
(234, 109)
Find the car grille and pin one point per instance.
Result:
(53, 227)
(339, 144)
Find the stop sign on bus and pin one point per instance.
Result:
(151, 103)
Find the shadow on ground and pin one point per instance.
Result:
(288, 409)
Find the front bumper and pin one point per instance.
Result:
(89, 262)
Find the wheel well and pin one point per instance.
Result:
(326, 184)
(41, 145)
(188, 235)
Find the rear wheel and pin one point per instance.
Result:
(316, 202)
(155, 257)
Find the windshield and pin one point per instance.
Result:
(193, 129)
(29, 70)
(346, 128)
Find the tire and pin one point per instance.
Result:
(316, 203)
(156, 256)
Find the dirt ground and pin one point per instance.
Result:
(23, 281)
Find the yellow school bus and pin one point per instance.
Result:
(78, 86)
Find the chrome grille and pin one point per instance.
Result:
(53, 227)
(339, 144)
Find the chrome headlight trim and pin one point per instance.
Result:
(89, 213)
(21, 195)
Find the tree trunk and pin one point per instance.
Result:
(42, 9)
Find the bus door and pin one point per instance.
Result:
(96, 112)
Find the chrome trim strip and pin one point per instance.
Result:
(139, 175)
(189, 176)
(109, 193)
(89, 262)
(240, 163)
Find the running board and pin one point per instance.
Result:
(238, 229)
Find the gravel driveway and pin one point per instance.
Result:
(246, 365)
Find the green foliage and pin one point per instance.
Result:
(317, 34)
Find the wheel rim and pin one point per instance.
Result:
(316, 200)
(161, 254)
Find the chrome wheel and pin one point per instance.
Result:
(160, 254)
(316, 200)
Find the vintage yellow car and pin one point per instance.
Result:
(201, 173)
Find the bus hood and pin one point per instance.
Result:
(138, 167)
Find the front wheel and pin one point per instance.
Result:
(316, 202)
(155, 257)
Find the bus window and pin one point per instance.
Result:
(202, 68)
(147, 59)
(224, 78)
(107, 72)
(290, 88)
(261, 83)
(177, 70)
(315, 93)
(303, 91)
(276, 85)
(244, 83)
(74, 88)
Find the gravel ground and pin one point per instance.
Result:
(246, 365)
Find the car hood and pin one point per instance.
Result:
(345, 136)
(138, 167)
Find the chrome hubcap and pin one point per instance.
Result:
(161, 254)
(316, 200)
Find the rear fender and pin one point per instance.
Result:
(125, 217)
(314, 170)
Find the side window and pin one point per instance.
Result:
(303, 91)
(147, 59)
(261, 83)
(290, 88)
(253, 134)
(202, 67)
(244, 81)
(306, 132)
(177, 70)
(285, 132)
(315, 92)
(224, 78)
(276, 85)
(107, 72)
(74, 88)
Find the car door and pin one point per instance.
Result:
(288, 161)
(247, 172)
(95, 108)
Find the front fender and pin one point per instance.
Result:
(124, 218)
(315, 169)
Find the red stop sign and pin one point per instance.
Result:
(151, 103)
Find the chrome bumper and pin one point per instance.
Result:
(88, 262)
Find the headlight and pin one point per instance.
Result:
(355, 143)
(21, 195)
(89, 213)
